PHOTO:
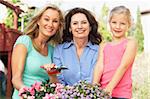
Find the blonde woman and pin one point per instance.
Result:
(33, 49)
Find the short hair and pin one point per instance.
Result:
(94, 36)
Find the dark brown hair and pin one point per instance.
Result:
(94, 36)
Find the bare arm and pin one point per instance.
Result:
(99, 66)
(54, 79)
(127, 59)
(18, 60)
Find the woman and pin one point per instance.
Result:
(33, 49)
(79, 49)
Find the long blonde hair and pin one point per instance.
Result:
(32, 28)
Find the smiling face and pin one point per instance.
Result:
(49, 23)
(119, 25)
(80, 26)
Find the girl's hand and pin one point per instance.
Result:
(108, 90)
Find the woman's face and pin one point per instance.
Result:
(119, 25)
(49, 23)
(79, 26)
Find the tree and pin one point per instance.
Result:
(23, 16)
(138, 32)
(9, 20)
(103, 23)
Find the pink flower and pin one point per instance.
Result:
(53, 85)
(59, 87)
(32, 91)
(49, 96)
(24, 96)
(22, 90)
(37, 85)
(30, 97)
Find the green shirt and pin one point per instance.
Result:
(32, 71)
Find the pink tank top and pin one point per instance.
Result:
(112, 58)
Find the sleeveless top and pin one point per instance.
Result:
(112, 58)
(32, 71)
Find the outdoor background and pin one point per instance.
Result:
(100, 8)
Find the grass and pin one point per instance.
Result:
(141, 77)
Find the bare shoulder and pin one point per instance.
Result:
(102, 45)
(132, 41)
(20, 46)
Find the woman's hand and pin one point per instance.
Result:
(51, 69)
(52, 72)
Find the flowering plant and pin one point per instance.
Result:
(41, 90)
(83, 90)
(47, 90)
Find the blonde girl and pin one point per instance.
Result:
(114, 65)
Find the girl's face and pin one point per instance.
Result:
(49, 23)
(119, 25)
(79, 26)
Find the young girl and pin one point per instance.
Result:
(114, 65)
